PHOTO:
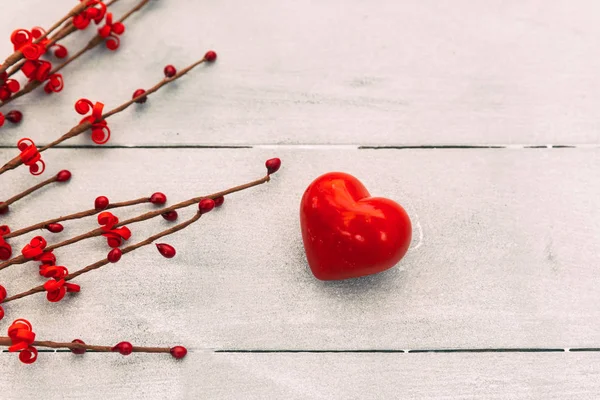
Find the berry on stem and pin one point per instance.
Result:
(158, 198)
(101, 203)
(210, 56)
(138, 93)
(30, 156)
(114, 255)
(273, 165)
(14, 116)
(54, 228)
(124, 348)
(170, 215)
(61, 51)
(97, 121)
(178, 352)
(166, 250)
(219, 201)
(114, 235)
(63, 176)
(3, 209)
(170, 71)
(109, 221)
(21, 340)
(206, 205)
(78, 351)
(5, 249)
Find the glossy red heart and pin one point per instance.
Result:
(347, 233)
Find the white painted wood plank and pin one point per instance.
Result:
(505, 252)
(305, 376)
(367, 72)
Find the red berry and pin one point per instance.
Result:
(166, 250)
(14, 86)
(63, 176)
(1, 313)
(2, 293)
(273, 165)
(61, 51)
(158, 198)
(5, 251)
(178, 352)
(206, 205)
(4, 93)
(170, 215)
(3, 209)
(4, 230)
(101, 203)
(54, 228)
(219, 201)
(114, 255)
(124, 348)
(170, 71)
(138, 93)
(210, 56)
(14, 116)
(78, 351)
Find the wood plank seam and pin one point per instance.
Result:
(325, 146)
(382, 351)
(419, 351)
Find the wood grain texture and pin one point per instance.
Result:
(306, 376)
(365, 72)
(504, 252)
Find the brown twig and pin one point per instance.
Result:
(103, 262)
(79, 129)
(82, 214)
(154, 88)
(65, 31)
(60, 177)
(18, 55)
(97, 232)
(61, 34)
(97, 40)
(94, 42)
(6, 341)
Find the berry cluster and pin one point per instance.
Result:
(32, 48)
(116, 233)
(21, 339)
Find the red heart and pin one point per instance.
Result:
(347, 233)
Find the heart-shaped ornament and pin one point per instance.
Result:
(347, 233)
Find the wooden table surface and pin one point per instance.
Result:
(481, 118)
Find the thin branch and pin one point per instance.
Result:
(82, 214)
(101, 263)
(153, 89)
(5, 204)
(79, 129)
(6, 341)
(98, 231)
(93, 43)
(60, 35)
(97, 40)
(65, 31)
(18, 55)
